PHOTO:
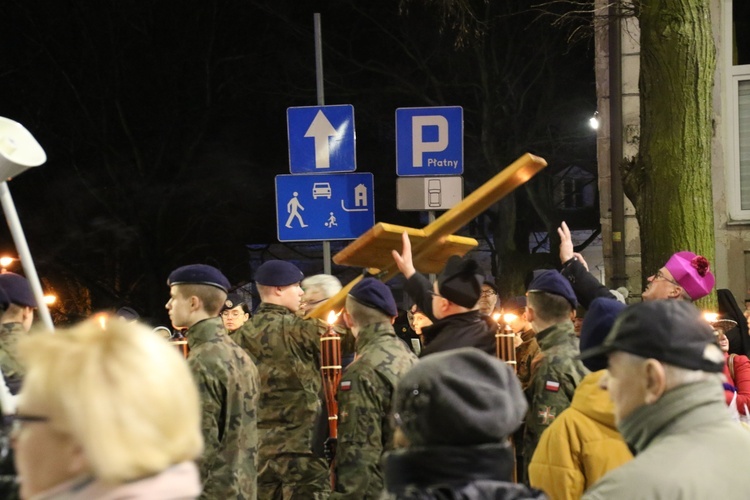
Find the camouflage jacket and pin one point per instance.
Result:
(555, 374)
(229, 386)
(286, 349)
(364, 396)
(13, 370)
(526, 352)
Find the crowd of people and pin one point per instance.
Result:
(643, 401)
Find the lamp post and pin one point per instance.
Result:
(5, 262)
(19, 151)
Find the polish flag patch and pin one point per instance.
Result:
(347, 384)
(552, 386)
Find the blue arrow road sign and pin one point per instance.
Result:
(324, 207)
(430, 141)
(321, 139)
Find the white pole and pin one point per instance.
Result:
(321, 102)
(14, 224)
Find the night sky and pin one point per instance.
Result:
(164, 122)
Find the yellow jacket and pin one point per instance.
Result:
(580, 446)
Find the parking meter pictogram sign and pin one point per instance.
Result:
(324, 207)
(321, 139)
(429, 141)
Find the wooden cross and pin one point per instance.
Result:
(433, 245)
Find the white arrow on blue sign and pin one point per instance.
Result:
(321, 139)
(324, 207)
(429, 141)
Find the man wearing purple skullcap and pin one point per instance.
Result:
(685, 276)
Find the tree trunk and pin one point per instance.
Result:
(674, 205)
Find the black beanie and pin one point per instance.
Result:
(461, 281)
(459, 397)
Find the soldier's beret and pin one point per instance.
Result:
(18, 290)
(459, 397)
(278, 273)
(198, 274)
(233, 300)
(128, 314)
(551, 281)
(596, 326)
(461, 281)
(375, 294)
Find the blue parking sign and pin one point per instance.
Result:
(321, 139)
(324, 207)
(429, 141)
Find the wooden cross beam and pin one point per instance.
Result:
(433, 245)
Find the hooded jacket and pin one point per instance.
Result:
(580, 446)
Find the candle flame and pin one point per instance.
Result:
(496, 317)
(509, 318)
(710, 316)
(332, 317)
(103, 321)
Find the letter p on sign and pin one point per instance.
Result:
(418, 142)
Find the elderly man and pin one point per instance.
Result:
(366, 391)
(488, 300)
(685, 276)
(664, 379)
(450, 303)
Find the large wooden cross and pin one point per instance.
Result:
(433, 245)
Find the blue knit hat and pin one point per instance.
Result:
(599, 320)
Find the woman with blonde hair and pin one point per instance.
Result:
(106, 412)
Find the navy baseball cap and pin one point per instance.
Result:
(551, 281)
(375, 294)
(278, 273)
(18, 290)
(198, 274)
(670, 331)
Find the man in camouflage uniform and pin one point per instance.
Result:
(286, 349)
(555, 373)
(366, 390)
(16, 322)
(227, 380)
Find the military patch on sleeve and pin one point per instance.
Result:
(546, 415)
(345, 385)
(552, 386)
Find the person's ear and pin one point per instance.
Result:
(530, 314)
(348, 320)
(656, 381)
(675, 292)
(195, 303)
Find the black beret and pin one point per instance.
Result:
(375, 294)
(18, 290)
(553, 282)
(198, 274)
(599, 320)
(461, 281)
(278, 273)
(233, 300)
(671, 331)
(459, 397)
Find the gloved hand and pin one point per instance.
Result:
(329, 449)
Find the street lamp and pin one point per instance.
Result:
(594, 121)
(19, 151)
(50, 299)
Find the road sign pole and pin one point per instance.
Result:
(321, 102)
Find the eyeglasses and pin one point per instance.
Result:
(18, 420)
(660, 276)
(488, 293)
(232, 314)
